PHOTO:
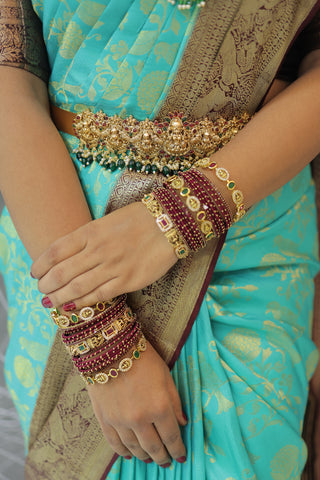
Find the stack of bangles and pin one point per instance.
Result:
(190, 210)
(99, 336)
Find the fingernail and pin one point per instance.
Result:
(32, 276)
(181, 459)
(128, 457)
(67, 307)
(165, 465)
(185, 416)
(46, 302)
(149, 460)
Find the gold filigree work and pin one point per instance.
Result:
(147, 146)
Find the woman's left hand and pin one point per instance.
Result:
(118, 253)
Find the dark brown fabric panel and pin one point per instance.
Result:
(21, 40)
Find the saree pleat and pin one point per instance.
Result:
(243, 371)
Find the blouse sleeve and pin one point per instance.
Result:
(307, 41)
(21, 40)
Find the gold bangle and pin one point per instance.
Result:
(194, 205)
(124, 366)
(166, 226)
(86, 314)
(223, 175)
(104, 336)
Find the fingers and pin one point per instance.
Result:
(60, 250)
(152, 444)
(86, 289)
(107, 290)
(170, 435)
(176, 402)
(74, 270)
(115, 441)
(131, 442)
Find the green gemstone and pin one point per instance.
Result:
(154, 169)
(98, 158)
(166, 171)
(147, 168)
(74, 318)
(136, 354)
(231, 185)
(113, 166)
(131, 165)
(121, 163)
(138, 166)
(185, 191)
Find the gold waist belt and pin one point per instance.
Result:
(168, 146)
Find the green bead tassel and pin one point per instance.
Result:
(186, 4)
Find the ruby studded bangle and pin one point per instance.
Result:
(108, 346)
(204, 201)
(181, 218)
(166, 226)
(100, 335)
(86, 314)
(110, 356)
(190, 208)
(124, 313)
(223, 175)
(124, 366)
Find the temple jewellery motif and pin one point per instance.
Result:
(169, 146)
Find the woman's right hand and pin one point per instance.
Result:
(140, 411)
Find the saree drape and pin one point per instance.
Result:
(245, 365)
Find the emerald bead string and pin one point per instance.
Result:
(186, 4)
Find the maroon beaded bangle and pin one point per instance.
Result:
(109, 356)
(86, 332)
(187, 221)
(107, 345)
(108, 313)
(107, 348)
(210, 192)
(209, 208)
(180, 216)
(107, 362)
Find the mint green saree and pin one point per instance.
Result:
(243, 370)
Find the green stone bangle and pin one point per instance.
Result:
(223, 175)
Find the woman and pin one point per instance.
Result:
(242, 356)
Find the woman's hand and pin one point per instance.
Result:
(140, 411)
(119, 253)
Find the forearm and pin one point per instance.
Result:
(37, 178)
(280, 140)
